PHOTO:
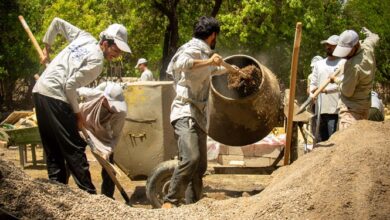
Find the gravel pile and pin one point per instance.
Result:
(347, 178)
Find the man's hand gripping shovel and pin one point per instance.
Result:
(313, 96)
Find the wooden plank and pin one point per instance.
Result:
(293, 79)
(16, 116)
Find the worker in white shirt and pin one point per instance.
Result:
(327, 101)
(146, 74)
(191, 68)
(55, 97)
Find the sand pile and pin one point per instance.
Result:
(350, 179)
(246, 81)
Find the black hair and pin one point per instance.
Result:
(109, 41)
(205, 26)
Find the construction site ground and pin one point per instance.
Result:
(347, 177)
(217, 186)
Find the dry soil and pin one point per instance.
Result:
(347, 177)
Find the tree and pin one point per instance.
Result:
(265, 30)
(375, 16)
(18, 60)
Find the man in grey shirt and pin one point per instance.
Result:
(55, 96)
(192, 67)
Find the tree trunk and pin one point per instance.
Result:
(171, 36)
(216, 8)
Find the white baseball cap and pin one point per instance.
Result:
(114, 95)
(118, 33)
(140, 61)
(332, 40)
(348, 39)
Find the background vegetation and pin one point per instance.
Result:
(263, 29)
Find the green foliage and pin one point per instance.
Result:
(263, 29)
(375, 16)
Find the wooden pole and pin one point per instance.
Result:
(31, 36)
(293, 80)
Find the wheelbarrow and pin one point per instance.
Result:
(147, 147)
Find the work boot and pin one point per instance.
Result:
(167, 205)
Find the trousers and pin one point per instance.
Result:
(62, 142)
(187, 177)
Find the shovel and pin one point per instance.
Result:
(32, 38)
(317, 92)
(106, 166)
(230, 68)
(103, 162)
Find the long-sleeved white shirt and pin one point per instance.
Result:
(322, 70)
(192, 84)
(75, 66)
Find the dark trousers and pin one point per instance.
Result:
(62, 142)
(328, 126)
(187, 177)
(108, 186)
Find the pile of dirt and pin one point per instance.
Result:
(347, 179)
(246, 81)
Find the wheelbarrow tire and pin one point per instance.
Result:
(157, 184)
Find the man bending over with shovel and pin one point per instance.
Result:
(359, 73)
(104, 109)
(55, 96)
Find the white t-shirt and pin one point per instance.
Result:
(147, 75)
(322, 70)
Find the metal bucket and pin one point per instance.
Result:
(237, 121)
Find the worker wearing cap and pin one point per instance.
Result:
(146, 74)
(327, 101)
(191, 68)
(55, 96)
(359, 72)
(104, 109)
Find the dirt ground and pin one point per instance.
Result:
(347, 177)
(217, 186)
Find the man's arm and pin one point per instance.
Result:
(190, 59)
(371, 38)
(58, 26)
(88, 93)
(83, 77)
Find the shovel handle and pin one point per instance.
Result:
(231, 68)
(317, 92)
(325, 83)
(31, 36)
